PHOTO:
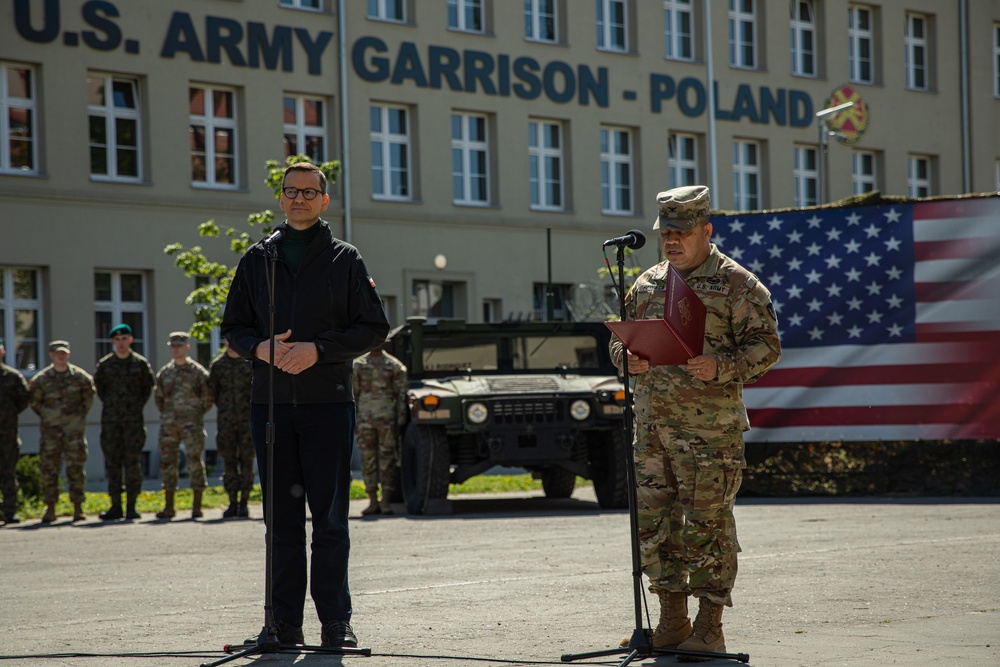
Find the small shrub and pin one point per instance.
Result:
(29, 477)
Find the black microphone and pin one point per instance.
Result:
(274, 236)
(634, 239)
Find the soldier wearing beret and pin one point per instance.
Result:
(230, 379)
(124, 381)
(61, 394)
(182, 397)
(690, 420)
(13, 401)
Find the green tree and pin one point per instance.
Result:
(209, 298)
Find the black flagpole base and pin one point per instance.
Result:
(641, 646)
(268, 642)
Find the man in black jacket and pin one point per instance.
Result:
(326, 312)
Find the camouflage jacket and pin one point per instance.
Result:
(182, 391)
(230, 383)
(13, 397)
(741, 332)
(380, 388)
(62, 399)
(124, 386)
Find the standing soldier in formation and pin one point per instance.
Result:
(230, 378)
(380, 394)
(13, 401)
(124, 381)
(61, 394)
(183, 398)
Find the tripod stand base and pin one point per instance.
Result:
(641, 646)
(268, 643)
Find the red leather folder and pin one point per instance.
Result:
(670, 341)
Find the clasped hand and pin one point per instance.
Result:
(290, 357)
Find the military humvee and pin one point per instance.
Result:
(543, 396)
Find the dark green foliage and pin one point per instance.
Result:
(29, 477)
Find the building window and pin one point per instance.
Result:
(437, 299)
(305, 127)
(113, 108)
(302, 4)
(746, 175)
(743, 34)
(492, 310)
(803, 29)
(213, 136)
(916, 45)
(918, 176)
(19, 149)
(540, 21)
(996, 60)
(387, 10)
(470, 159)
(682, 163)
(805, 176)
(545, 164)
(861, 44)
(864, 178)
(120, 297)
(466, 15)
(21, 318)
(678, 29)
(390, 143)
(561, 296)
(612, 32)
(616, 171)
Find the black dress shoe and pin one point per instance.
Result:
(338, 633)
(113, 514)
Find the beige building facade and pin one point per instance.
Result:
(489, 146)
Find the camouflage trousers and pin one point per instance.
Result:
(236, 449)
(172, 433)
(122, 443)
(686, 488)
(55, 446)
(10, 452)
(378, 443)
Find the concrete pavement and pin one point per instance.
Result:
(516, 579)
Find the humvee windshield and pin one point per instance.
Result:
(506, 354)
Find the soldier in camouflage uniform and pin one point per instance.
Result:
(124, 381)
(230, 379)
(690, 420)
(61, 394)
(183, 398)
(13, 401)
(380, 393)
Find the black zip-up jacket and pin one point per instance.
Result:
(331, 301)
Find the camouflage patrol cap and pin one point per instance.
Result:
(59, 346)
(178, 338)
(682, 207)
(120, 329)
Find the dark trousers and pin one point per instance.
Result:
(312, 463)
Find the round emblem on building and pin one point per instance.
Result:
(847, 125)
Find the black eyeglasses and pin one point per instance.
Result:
(308, 193)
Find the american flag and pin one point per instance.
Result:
(889, 319)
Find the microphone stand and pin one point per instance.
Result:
(267, 640)
(640, 645)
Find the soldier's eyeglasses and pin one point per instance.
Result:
(308, 193)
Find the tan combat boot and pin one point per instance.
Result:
(168, 506)
(674, 626)
(78, 514)
(707, 634)
(196, 512)
(50, 513)
(373, 506)
(385, 505)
